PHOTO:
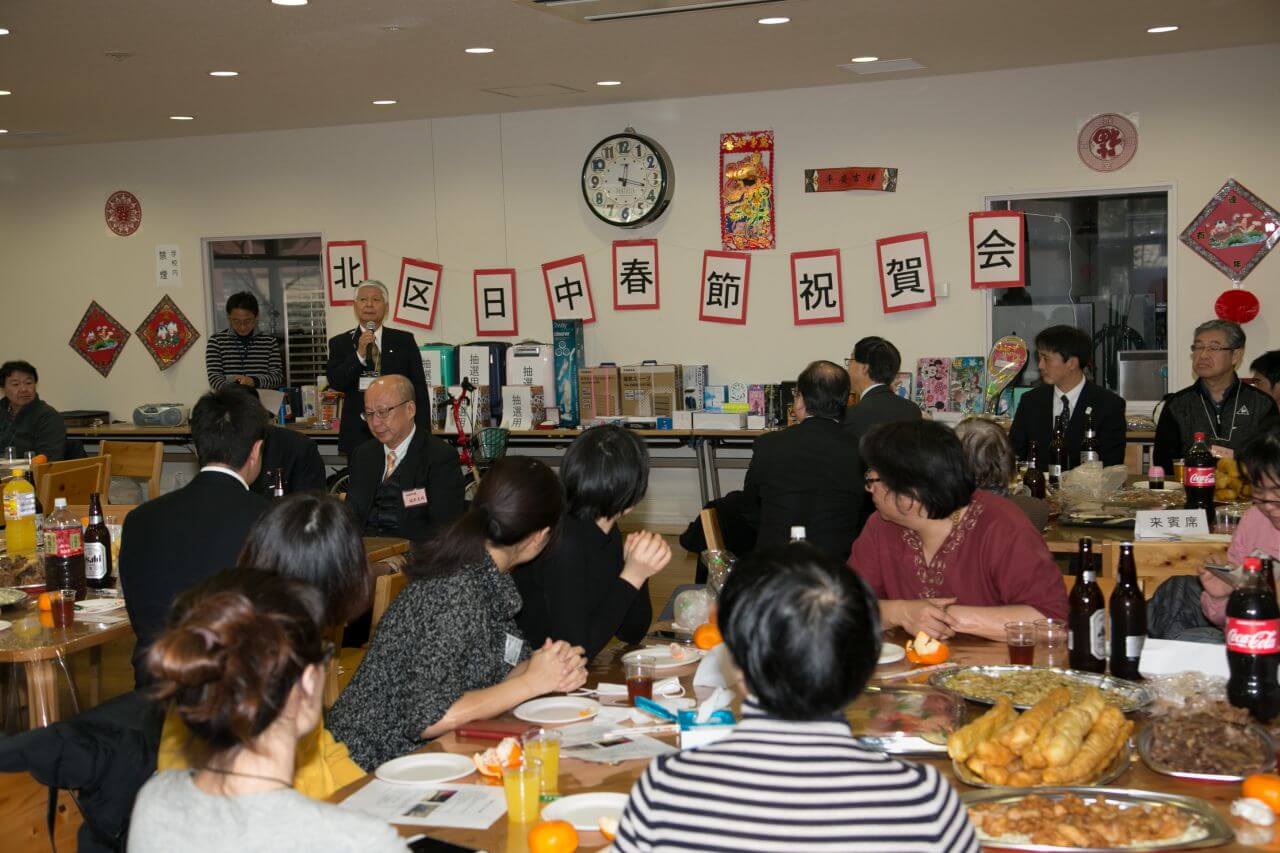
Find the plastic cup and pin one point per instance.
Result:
(543, 745)
(640, 671)
(1020, 637)
(1051, 642)
(62, 607)
(523, 787)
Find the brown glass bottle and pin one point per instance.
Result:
(98, 572)
(1128, 618)
(1089, 445)
(1086, 615)
(1033, 479)
(1058, 452)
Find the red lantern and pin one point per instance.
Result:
(1238, 306)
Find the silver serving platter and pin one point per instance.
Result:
(10, 596)
(908, 743)
(1267, 744)
(1136, 695)
(1219, 832)
(1113, 771)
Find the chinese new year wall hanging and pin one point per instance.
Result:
(123, 213)
(167, 333)
(99, 338)
(1234, 231)
(747, 213)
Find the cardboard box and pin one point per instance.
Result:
(755, 399)
(523, 406)
(714, 397)
(695, 378)
(570, 357)
(650, 390)
(719, 420)
(756, 422)
(738, 393)
(599, 392)
(682, 420)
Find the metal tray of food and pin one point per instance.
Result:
(906, 719)
(1041, 680)
(1206, 828)
(1114, 770)
(1266, 746)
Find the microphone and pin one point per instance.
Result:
(368, 351)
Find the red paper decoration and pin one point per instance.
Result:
(99, 338)
(123, 213)
(167, 333)
(1238, 306)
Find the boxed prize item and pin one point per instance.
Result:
(719, 420)
(570, 357)
(475, 412)
(600, 392)
(738, 393)
(695, 378)
(523, 406)
(682, 420)
(650, 390)
(714, 397)
(532, 363)
(755, 400)
(485, 363)
(439, 364)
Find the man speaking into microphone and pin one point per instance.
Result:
(360, 355)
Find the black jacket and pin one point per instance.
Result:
(428, 464)
(38, 428)
(878, 406)
(297, 455)
(399, 356)
(174, 542)
(1033, 421)
(808, 475)
(1191, 410)
(574, 591)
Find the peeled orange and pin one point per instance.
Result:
(707, 636)
(1265, 787)
(506, 754)
(608, 827)
(43, 602)
(553, 836)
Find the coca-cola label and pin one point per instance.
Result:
(1253, 636)
(1199, 478)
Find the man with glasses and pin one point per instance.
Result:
(1217, 404)
(404, 481)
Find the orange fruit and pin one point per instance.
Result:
(492, 761)
(46, 618)
(707, 636)
(39, 459)
(43, 602)
(1265, 787)
(608, 827)
(553, 836)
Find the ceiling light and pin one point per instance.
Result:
(3, 31)
(290, 2)
(608, 82)
(478, 50)
(391, 28)
(1167, 29)
(383, 102)
(865, 59)
(2, 130)
(4, 92)
(770, 21)
(224, 73)
(183, 118)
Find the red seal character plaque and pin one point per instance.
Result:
(1107, 143)
(123, 213)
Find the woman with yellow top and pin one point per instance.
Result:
(312, 538)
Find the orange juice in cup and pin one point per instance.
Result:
(523, 787)
(543, 745)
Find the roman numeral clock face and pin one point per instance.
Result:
(627, 180)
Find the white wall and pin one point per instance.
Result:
(503, 191)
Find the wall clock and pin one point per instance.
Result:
(628, 180)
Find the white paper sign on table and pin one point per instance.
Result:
(456, 806)
(1165, 657)
(517, 407)
(1171, 523)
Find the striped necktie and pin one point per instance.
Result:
(391, 465)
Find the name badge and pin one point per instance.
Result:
(414, 497)
(366, 381)
(1221, 451)
(511, 654)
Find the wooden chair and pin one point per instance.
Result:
(388, 582)
(141, 460)
(385, 589)
(1133, 452)
(74, 479)
(1156, 562)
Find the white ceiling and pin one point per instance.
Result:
(322, 64)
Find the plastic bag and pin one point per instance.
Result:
(1089, 485)
(692, 607)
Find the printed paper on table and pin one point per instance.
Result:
(347, 266)
(997, 246)
(635, 275)
(906, 272)
(748, 215)
(495, 302)
(569, 289)
(418, 293)
(725, 276)
(817, 289)
(99, 338)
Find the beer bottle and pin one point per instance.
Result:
(1089, 447)
(97, 548)
(1128, 618)
(1033, 479)
(1086, 616)
(1058, 452)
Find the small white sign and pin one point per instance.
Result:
(1171, 523)
(168, 267)
(517, 407)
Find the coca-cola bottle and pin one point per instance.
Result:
(1128, 618)
(1198, 479)
(1253, 645)
(1087, 616)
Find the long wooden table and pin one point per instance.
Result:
(578, 777)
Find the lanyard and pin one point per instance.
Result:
(1214, 424)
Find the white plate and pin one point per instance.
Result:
(891, 653)
(428, 768)
(554, 710)
(11, 595)
(585, 810)
(662, 658)
(99, 605)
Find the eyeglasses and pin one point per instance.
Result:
(869, 481)
(380, 414)
(1196, 349)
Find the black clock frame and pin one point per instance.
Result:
(667, 190)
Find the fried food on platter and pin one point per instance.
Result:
(1021, 734)
(1099, 747)
(962, 742)
(1071, 726)
(1074, 822)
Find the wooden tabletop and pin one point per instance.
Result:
(578, 777)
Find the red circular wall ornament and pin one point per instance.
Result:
(1107, 143)
(1238, 306)
(123, 213)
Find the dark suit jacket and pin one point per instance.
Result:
(174, 542)
(399, 356)
(1034, 422)
(810, 475)
(429, 464)
(297, 455)
(878, 406)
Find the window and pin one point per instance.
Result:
(1100, 263)
(286, 275)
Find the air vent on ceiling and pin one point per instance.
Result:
(541, 90)
(37, 135)
(883, 66)
(597, 11)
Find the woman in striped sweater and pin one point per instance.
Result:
(804, 631)
(241, 353)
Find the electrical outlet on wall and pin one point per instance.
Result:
(944, 290)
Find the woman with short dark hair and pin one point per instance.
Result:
(943, 557)
(791, 776)
(591, 585)
(448, 650)
(27, 423)
(242, 665)
(240, 353)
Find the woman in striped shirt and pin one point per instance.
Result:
(805, 633)
(241, 353)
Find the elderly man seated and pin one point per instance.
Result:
(404, 481)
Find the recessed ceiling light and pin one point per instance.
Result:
(865, 59)
(2, 130)
(1166, 29)
(3, 31)
(224, 73)
(770, 21)
(290, 2)
(608, 82)
(391, 28)
(183, 118)
(4, 92)
(383, 102)
(478, 50)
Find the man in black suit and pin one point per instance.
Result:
(360, 355)
(404, 481)
(1062, 354)
(175, 541)
(292, 453)
(810, 475)
(873, 367)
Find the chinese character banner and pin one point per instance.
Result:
(747, 211)
(725, 276)
(99, 338)
(347, 264)
(418, 292)
(906, 272)
(495, 301)
(167, 333)
(635, 275)
(846, 178)
(569, 289)
(997, 249)
(817, 290)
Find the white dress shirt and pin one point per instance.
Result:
(377, 333)
(400, 450)
(1073, 397)
(219, 469)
